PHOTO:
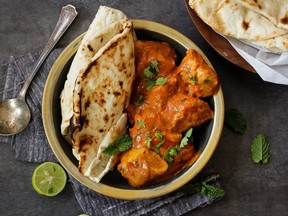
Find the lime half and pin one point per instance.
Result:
(49, 179)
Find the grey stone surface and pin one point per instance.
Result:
(251, 189)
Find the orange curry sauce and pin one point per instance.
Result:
(166, 112)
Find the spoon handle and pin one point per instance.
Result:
(68, 14)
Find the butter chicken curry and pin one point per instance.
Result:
(165, 105)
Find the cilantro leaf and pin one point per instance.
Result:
(210, 191)
(193, 79)
(141, 123)
(170, 153)
(151, 70)
(149, 84)
(235, 120)
(148, 74)
(120, 144)
(140, 101)
(158, 135)
(260, 149)
(148, 140)
(207, 80)
(161, 81)
(186, 137)
(158, 146)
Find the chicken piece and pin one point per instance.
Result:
(198, 78)
(141, 165)
(183, 112)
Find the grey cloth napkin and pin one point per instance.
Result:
(31, 145)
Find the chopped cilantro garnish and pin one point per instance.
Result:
(149, 84)
(186, 137)
(120, 144)
(158, 135)
(193, 79)
(161, 81)
(150, 73)
(141, 123)
(207, 79)
(148, 141)
(170, 154)
(140, 100)
(151, 70)
(158, 146)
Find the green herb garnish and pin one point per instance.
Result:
(150, 73)
(158, 135)
(141, 123)
(186, 137)
(235, 120)
(149, 84)
(151, 70)
(161, 81)
(148, 141)
(158, 146)
(170, 154)
(120, 144)
(193, 79)
(207, 80)
(210, 191)
(205, 189)
(140, 101)
(260, 149)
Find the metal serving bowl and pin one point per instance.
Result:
(113, 185)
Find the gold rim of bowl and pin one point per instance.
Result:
(110, 191)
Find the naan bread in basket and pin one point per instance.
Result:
(262, 23)
(97, 91)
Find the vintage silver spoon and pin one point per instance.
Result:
(14, 113)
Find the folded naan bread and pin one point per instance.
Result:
(103, 28)
(97, 90)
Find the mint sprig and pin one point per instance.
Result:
(203, 188)
(120, 144)
(260, 150)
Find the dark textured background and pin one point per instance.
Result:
(251, 189)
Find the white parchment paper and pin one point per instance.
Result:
(271, 67)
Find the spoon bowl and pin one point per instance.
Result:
(15, 116)
(14, 113)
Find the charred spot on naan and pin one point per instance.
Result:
(284, 20)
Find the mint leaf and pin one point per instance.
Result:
(161, 81)
(235, 120)
(186, 137)
(260, 149)
(120, 144)
(210, 191)
(205, 189)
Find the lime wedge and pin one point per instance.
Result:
(49, 179)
